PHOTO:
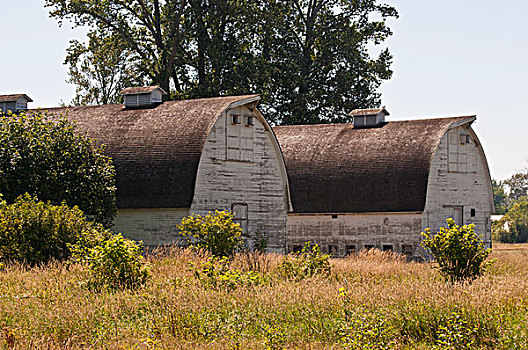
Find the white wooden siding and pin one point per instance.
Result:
(152, 226)
(242, 165)
(459, 178)
(361, 230)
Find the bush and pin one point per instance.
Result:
(217, 272)
(459, 252)
(36, 232)
(216, 233)
(307, 263)
(52, 161)
(115, 263)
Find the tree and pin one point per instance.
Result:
(100, 69)
(53, 162)
(320, 68)
(307, 58)
(513, 226)
(150, 29)
(517, 185)
(459, 251)
(500, 198)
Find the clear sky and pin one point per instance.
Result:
(451, 57)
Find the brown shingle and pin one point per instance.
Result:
(14, 97)
(140, 90)
(335, 168)
(155, 151)
(373, 111)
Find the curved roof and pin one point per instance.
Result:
(156, 150)
(336, 168)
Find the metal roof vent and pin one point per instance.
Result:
(137, 97)
(365, 118)
(14, 103)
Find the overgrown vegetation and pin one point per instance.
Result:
(114, 263)
(215, 232)
(53, 162)
(459, 251)
(375, 300)
(34, 232)
(309, 262)
(513, 226)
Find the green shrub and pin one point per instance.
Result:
(459, 252)
(307, 263)
(216, 233)
(115, 263)
(35, 232)
(217, 272)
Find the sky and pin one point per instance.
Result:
(451, 58)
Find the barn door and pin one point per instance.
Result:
(240, 212)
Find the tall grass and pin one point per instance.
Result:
(373, 300)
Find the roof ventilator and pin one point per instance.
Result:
(142, 97)
(365, 118)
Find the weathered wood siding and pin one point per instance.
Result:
(459, 183)
(241, 168)
(337, 233)
(152, 226)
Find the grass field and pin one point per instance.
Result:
(371, 301)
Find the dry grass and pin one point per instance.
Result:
(386, 303)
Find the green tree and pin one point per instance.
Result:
(517, 185)
(459, 251)
(500, 197)
(149, 29)
(513, 226)
(53, 162)
(100, 69)
(307, 58)
(319, 65)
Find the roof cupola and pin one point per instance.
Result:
(14, 102)
(368, 117)
(145, 96)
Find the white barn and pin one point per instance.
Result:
(175, 158)
(378, 185)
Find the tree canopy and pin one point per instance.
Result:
(309, 59)
(51, 161)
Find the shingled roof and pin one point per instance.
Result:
(14, 97)
(336, 168)
(156, 151)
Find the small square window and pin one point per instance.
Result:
(368, 246)
(334, 216)
(235, 119)
(407, 249)
(249, 120)
(296, 248)
(387, 247)
(473, 212)
(350, 249)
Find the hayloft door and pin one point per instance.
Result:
(240, 212)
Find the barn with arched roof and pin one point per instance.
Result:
(377, 184)
(175, 158)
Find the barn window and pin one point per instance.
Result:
(334, 216)
(350, 249)
(473, 212)
(249, 120)
(235, 119)
(387, 247)
(407, 249)
(240, 141)
(240, 213)
(368, 246)
(296, 248)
